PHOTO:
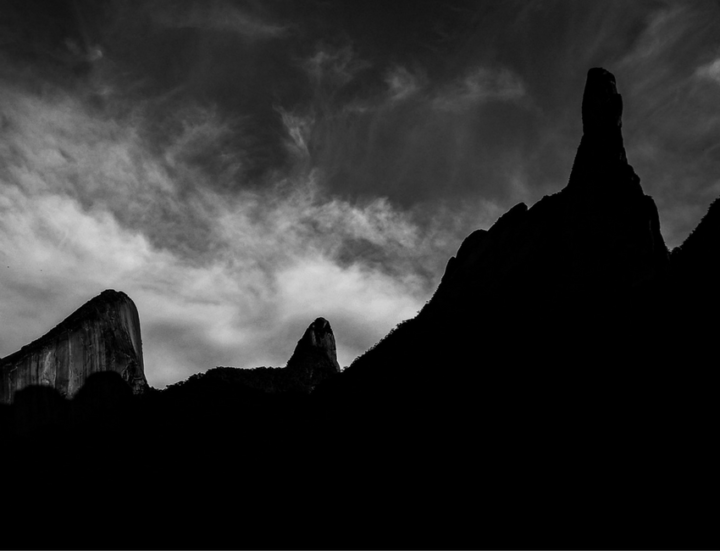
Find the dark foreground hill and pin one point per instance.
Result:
(559, 390)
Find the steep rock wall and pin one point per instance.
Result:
(102, 335)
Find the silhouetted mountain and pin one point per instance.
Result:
(600, 231)
(557, 391)
(102, 335)
(551, 336)
(544, 284)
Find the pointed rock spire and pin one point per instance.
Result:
(601, 105)
(316, 353)
(601, 231)
(601, 165)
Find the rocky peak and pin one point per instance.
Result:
(319, 334)
(601, 105)
(601, 166)
(316, 351)
(101, 335)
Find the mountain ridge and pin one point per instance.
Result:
(555, 392)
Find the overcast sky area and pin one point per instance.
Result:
(241, 167)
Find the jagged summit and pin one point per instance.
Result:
(101, 335)
(601, 231)
(541, 285)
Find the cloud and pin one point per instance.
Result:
(298, 128)
(664, 28)
(478, 85)
(402, 83)
(216, 15)
(709, 71)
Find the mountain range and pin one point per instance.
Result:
(558, 390)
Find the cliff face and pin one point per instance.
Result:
(102, 335)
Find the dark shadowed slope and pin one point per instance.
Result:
(102, 335)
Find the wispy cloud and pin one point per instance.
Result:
(298, 129)
(402, 84)
(217, 15)
(664, 28)
(478, 85)
(334, 67)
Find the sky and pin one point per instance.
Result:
(241, 167)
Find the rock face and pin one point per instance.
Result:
(102, 335)
(315, 356)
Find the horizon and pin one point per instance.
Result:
(239, 171)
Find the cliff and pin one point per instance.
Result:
(102, 335)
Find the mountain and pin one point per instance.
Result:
(557, 391)
(543, 284)
(601, 231)
(562, 361)
(102, 335)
